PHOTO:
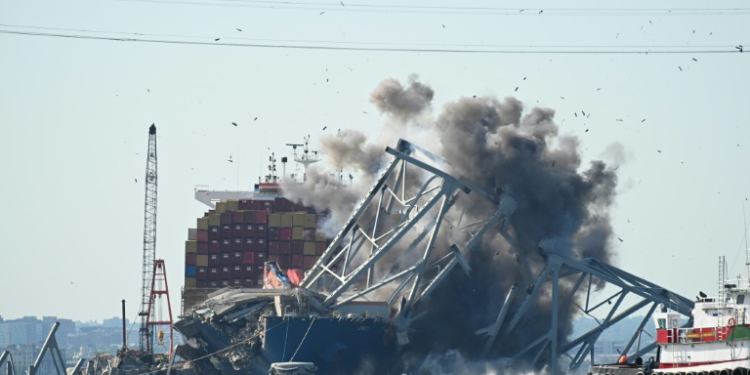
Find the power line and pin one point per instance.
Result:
(483, 11)
(369, 49)
(529, 46)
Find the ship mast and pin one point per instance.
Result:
(747, 250)
(307, 156)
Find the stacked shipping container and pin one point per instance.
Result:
(231, 244)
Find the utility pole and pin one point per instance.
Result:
(149, 241)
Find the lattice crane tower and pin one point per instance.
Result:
(149, 240)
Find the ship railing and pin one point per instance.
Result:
(700, 335)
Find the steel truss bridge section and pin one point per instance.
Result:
(361, 246)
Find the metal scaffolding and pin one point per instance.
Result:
(149, 239)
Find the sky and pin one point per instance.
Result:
(75, 115)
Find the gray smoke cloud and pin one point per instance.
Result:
(563, 207)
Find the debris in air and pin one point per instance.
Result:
(644, 120)
(234, 123)
(217, 39)
(516, 89)
(694, 59)
(620, 239)
(679, 67)
(321, 13)
(240, 30)
(659, 151)
(540, 12)
(324, 128)
(584, 113)
(255, 119)
(136, 180)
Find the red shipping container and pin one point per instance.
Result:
(296, 260)
(226, 245)
(201, 284)
(261, 217)
(214, 233)
(248, 217)
(320, 248)
(226, 218)
(237, 216)
(202, 236)
(213, 260)
(202, 248)
(249, 244)
(214, 247)
(244, 204)
(238, 230)
(190, 259)
(285, 234)
(213, 273)
(236, 271)
(248, 270)
(237, 257)
(273, 234)
(225, 259)
(298, 247)
(261, 231)
(285, 247)
(248, 257)
(273, 247)
(226, 231)
(238, 244)
(248, 283)
(308, 261)
(201, 273)
(285, 261)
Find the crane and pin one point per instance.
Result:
(149, 242)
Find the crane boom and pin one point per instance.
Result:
(149, 239)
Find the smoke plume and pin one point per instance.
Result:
(497, 144)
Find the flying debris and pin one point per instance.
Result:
(679, 67)
(644, 120)
(234, 123)
(540, 12)
(575, 113)
(255, 119)
(516, 89)
(562, 97)
(617, 167)
(599, 88)
(619, 120)
(584, 113)
(230, 160)
(524, 78)
(739, 48)
(240, 30)
(694, 59)
(589, 115)
(443, 25)
(324, 128)
(321, 13)
(659, 151)
(586, 131)
(703, 295)
(149, 90)
(217, 39)
(342, 3)
(136, 180)
(620, 239)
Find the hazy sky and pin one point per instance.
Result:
(75, 115)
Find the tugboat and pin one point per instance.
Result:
(716, 343)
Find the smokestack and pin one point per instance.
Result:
(283, 167)
(124, 335)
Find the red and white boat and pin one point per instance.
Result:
(716, 343)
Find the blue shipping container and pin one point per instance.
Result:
(189, 271)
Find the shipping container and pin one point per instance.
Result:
(190, 283)
(202, 236)
(189, 271)
(261, 244)
(281, 204)
(248, 270)
(260, 257)
(226, 231)
(273, 247)
(308, 261)
(320, 247)
(214, 220)
(273, 233)
(309, 234)
(299, 219)
(244, 204)
(192, 234)
(298, 234)
(224, 283)
(248, 257)
(255, 205)
(191, 246)
(261, 217)
(226, 218)
(238, 230)
(214, 246)
(233, 205)
(285, 247)
(249, 244)
(201, 273)
(213, 273)
(261, 231)
(273, 258)
(287, 220)
(274, 220)
(285, 261)
(298, 247)
(224, 272)
(320, 235)
(248, 283)
(237, 282)
(214, 259)
(239, 244)
(201, 260)
(285, 234)
(202, 248)
(190, 259)
(236, 271)
(238, 217)
(201, 284)
(225, 259)
(214, 232)
(310, 221)
(237, 257)
(309, 248)
(221, 207)
(202, 223)
(249, 230)
(296, 261)
(266, 205)
(249, 217)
